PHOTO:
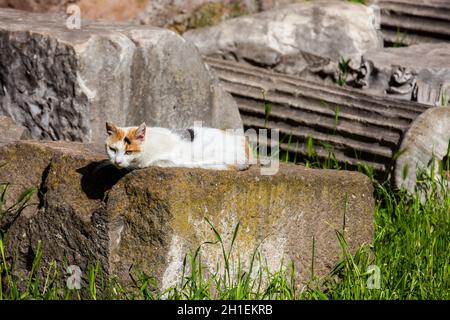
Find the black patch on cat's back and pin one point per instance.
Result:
(186, 134)
(191, 134)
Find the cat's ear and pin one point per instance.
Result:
(110, 128)
(140, 132)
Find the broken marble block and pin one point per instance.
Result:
(311, 36)
(419, 72)
(151, 219)
(63, 84)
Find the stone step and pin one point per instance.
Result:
(426, 21)
(356, 127)
(360, 128)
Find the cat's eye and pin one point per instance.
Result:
(112, 149)
(128, 152)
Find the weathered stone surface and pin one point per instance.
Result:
(10, 131)
(356, 127)
(182, 15)
(64, 84)
(151, 218)
(406, 22)
(294, 38)
(425, 143)
(419, 72)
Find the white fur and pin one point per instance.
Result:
(210, 149)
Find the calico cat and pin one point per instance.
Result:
(197, 147)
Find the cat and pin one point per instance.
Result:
(196, 147)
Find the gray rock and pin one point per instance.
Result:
(420, 72)
(423, 145)
(151, 218)
(294, 37)
(64, 84)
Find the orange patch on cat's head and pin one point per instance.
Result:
(132, 137)
(115, 133)
(132, 144)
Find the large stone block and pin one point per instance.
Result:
(294, 38)
(151, 218)
(64, 84)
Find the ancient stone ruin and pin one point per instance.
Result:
(332, 40)
(406, 22)
(357, 128)
(63, 84)
(302, 39)
(152, 218)
(319, 72)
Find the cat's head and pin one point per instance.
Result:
(123, 145)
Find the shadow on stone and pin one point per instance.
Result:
(99, 177)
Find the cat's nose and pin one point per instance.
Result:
(118, 162)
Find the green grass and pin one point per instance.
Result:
(359, 1)
(400, 39)
(343, 71)
(411, 250)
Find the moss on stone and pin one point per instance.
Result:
(152, 217)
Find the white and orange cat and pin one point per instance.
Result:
(197, 147)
